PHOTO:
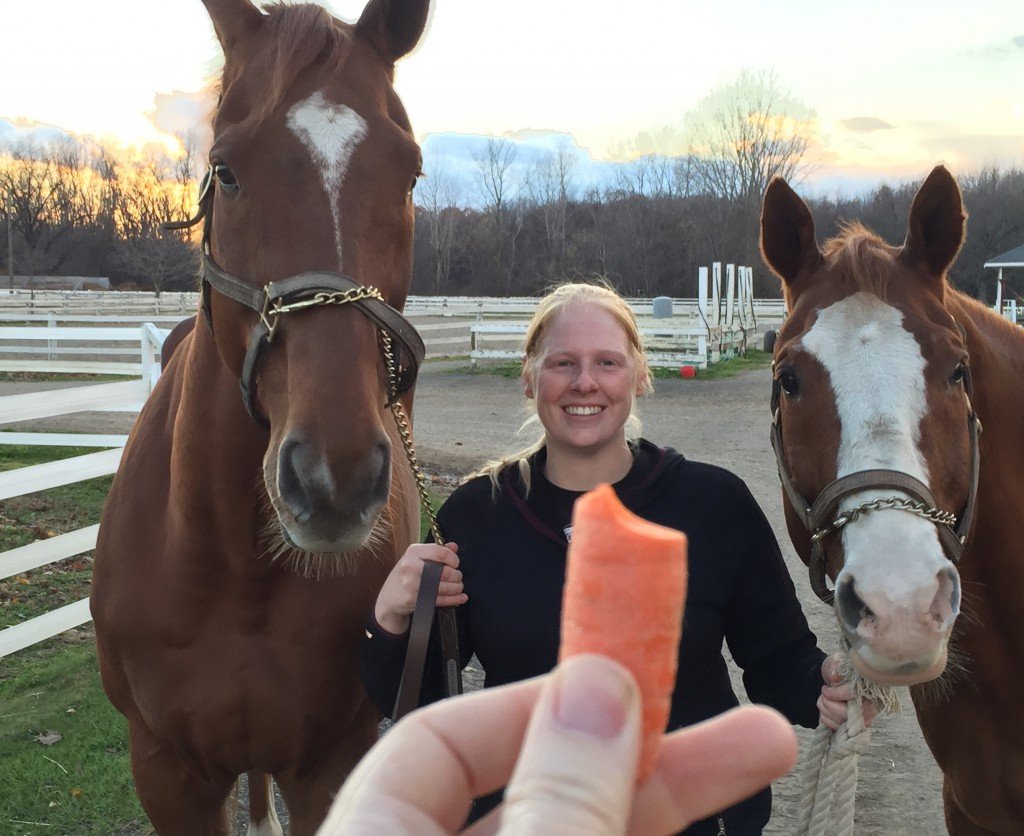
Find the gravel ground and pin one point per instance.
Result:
(461, 420)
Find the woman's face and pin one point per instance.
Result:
(584, 379)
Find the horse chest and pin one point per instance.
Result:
(240, 698)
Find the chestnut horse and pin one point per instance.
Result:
(246, 536)
(884, 375)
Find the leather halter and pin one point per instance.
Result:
(821, 520)
(295, 293)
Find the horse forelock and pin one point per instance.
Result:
(299, 36)
(862, 257)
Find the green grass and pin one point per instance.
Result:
(38, 516)
(47, 377)
(437, 500)
(753, 359)
(511, 370)
(80, 785)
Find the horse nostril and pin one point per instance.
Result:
(945, 606)
(849, 606)
(289, 483)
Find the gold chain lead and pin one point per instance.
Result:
(402, 423)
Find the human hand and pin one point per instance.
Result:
(570, 742)
(397, 597)
(835, 694)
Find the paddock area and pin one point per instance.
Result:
(462, 419)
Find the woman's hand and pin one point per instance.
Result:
(397, 598)
(566, 745)
(836, 692)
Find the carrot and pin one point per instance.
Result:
(624, 593)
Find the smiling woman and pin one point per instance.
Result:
(509, 526)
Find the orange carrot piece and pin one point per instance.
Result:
(625, 590)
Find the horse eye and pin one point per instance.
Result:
(415, 180)
(958, 375)
(789, 382)
(225, 177)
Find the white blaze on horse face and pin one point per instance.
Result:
(331, 132)
(876, 370)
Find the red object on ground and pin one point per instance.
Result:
(625, 589)
(688, 372)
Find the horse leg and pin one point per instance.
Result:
(177, 803)
(957, 822)
(263, 819)
(309, 797)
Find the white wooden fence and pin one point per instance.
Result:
(666, 346)
(127, 395)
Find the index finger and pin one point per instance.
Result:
(424, 774)
(445, 554)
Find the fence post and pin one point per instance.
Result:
(51, 322)
(716, 293)
(152, 344)
(730, 301)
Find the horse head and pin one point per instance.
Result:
(873, 426)
(308, 250)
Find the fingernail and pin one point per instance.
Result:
(592, 697)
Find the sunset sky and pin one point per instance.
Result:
(897, 86)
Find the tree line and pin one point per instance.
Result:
(651, 232)
(689, 195)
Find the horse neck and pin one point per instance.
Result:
(996, 349)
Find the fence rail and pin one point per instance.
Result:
(102, 306)
(128, 395)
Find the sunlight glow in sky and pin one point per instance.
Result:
(897, 86)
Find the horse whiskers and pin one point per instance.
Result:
(958, 663)
(316, 565)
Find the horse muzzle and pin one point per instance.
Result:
(325, 508)
(899, 641)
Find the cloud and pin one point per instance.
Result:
(1019, 41)
(866, 123)
(182, 113)
(17, 131)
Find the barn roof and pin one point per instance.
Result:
(1013, 258)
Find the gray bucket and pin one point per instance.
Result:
(662, 307)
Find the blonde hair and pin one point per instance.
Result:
(560, 298)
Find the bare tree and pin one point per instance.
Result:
(494, 166)
(44, 188)
(746, 132)
(552, 187)
(437, 197)
(157, 259)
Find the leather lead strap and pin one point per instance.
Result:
(419, 638)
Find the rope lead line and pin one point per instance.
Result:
(830, 765)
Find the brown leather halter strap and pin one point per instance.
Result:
(296, 293)
(820, 517)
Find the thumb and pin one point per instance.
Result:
(576, 772)
(832, 669)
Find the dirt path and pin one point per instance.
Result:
(461, 420)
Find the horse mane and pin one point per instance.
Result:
(862, 256)
(302, 34)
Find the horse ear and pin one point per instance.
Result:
(935, 232)
(394, 27)
(233, 20)
(788, 245)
